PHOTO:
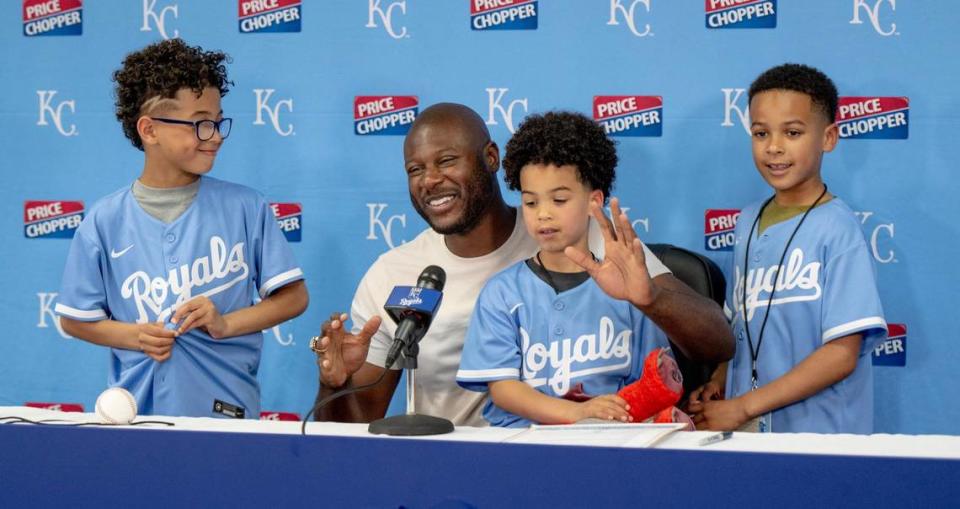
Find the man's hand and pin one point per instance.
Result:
(623, 273)
(155, 341)
(710, 391)
(339, 353)
(200, 312)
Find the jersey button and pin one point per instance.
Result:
(171, 237)
(558, 305)
(756, 259)
(172, 259)
(558, 330)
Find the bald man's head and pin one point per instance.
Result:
(451, 116)
(451, 167)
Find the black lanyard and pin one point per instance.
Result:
(755, 354)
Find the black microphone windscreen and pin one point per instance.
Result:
(432, 277)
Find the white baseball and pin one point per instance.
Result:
(116, 406)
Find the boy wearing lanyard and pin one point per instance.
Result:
(803, 301)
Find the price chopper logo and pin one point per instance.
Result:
(874, 118)
(718, 229)
(740, 13)
(893, 351)
(52, 17)
(503, 14)
(384, 114)
(290, 219)
(629, 115)
(261, 16)
(51, 219)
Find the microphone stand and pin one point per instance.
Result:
(411, 423)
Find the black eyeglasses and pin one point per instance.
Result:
(204, 128)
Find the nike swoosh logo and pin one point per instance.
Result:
(118, 254)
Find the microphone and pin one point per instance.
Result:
(659, 388)
(413, 309)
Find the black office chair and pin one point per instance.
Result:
(704, 277)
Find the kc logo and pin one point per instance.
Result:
(875, 233)
(639, 224)
(273, 113)
(47, 301)
(56, 114)
(629, 15)
(731, 98)
(159, 20)
(874, 15)
(495, 95)
(386, 17)
(386, 228)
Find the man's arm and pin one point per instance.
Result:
(695, 323)
(363, 406)
(341, 357)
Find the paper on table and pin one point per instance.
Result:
(596, 434)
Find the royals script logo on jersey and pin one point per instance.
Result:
(51, 219)
(893, 351)
(256, 16)
(503, 14)
(588, 355)
(52, 17)
(796, 281)
(718, 228)
(741, 13)
(214, 273)
(629, 115)
(384, 114)
(290, 218)
(874, 118)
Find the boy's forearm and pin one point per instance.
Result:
(103, 332)
(285, 303)
(519, 398)
(826, 366)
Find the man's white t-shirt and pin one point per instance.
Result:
(437, 392)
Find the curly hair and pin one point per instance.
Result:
(563, 138)
(803, 79)
(159, 71)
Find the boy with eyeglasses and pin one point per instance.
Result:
(164, 271)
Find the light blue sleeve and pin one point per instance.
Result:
(492, 348)
(851, 301)
(83, 295)
(275, 261)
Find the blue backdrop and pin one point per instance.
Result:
(323, 92)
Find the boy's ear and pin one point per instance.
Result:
(597, 196)
(831, 135)
(145, 128)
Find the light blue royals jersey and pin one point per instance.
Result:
(128, 266)
(827, 289)
(522, 330)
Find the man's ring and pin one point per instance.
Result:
(315, 345)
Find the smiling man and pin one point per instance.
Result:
(451, 165)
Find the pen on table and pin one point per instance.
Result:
(716, 437)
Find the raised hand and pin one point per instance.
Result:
(339, 353)
(623, 272)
